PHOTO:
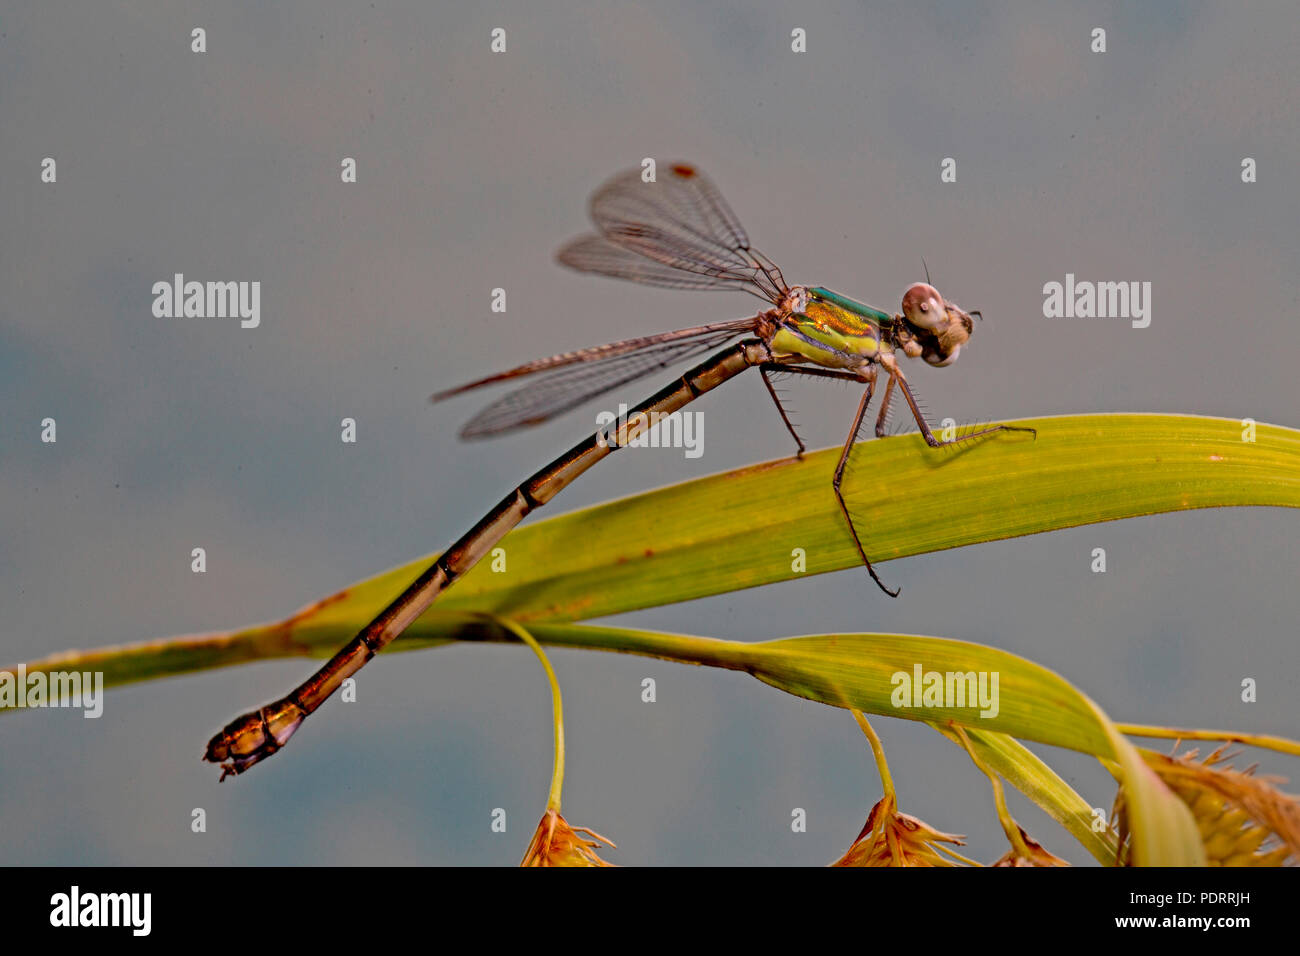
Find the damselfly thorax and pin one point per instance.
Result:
(680, 233)
(832, 330)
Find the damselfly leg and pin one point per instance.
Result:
(882, 419)
(780, 407)
(896, 374)
(850, 442)
(776, 368)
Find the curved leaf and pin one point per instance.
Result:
(737, 529)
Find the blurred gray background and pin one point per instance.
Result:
(473, 168)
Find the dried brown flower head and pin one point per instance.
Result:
(557, 844)
(891, 838)
(1244, 820)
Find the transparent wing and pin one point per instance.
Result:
(599, 255)
(566, 381)
(680, 222)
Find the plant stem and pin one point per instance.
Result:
(557, 708)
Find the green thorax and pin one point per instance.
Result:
(834, 331)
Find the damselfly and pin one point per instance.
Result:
(676, 232)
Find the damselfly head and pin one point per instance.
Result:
(938, 326)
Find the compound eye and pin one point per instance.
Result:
(923, 306)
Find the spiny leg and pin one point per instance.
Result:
(840, 374)
(896, 374)
(839, 477)
(884, 408)
(775, 367)
(771, 390)
(848, 445)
